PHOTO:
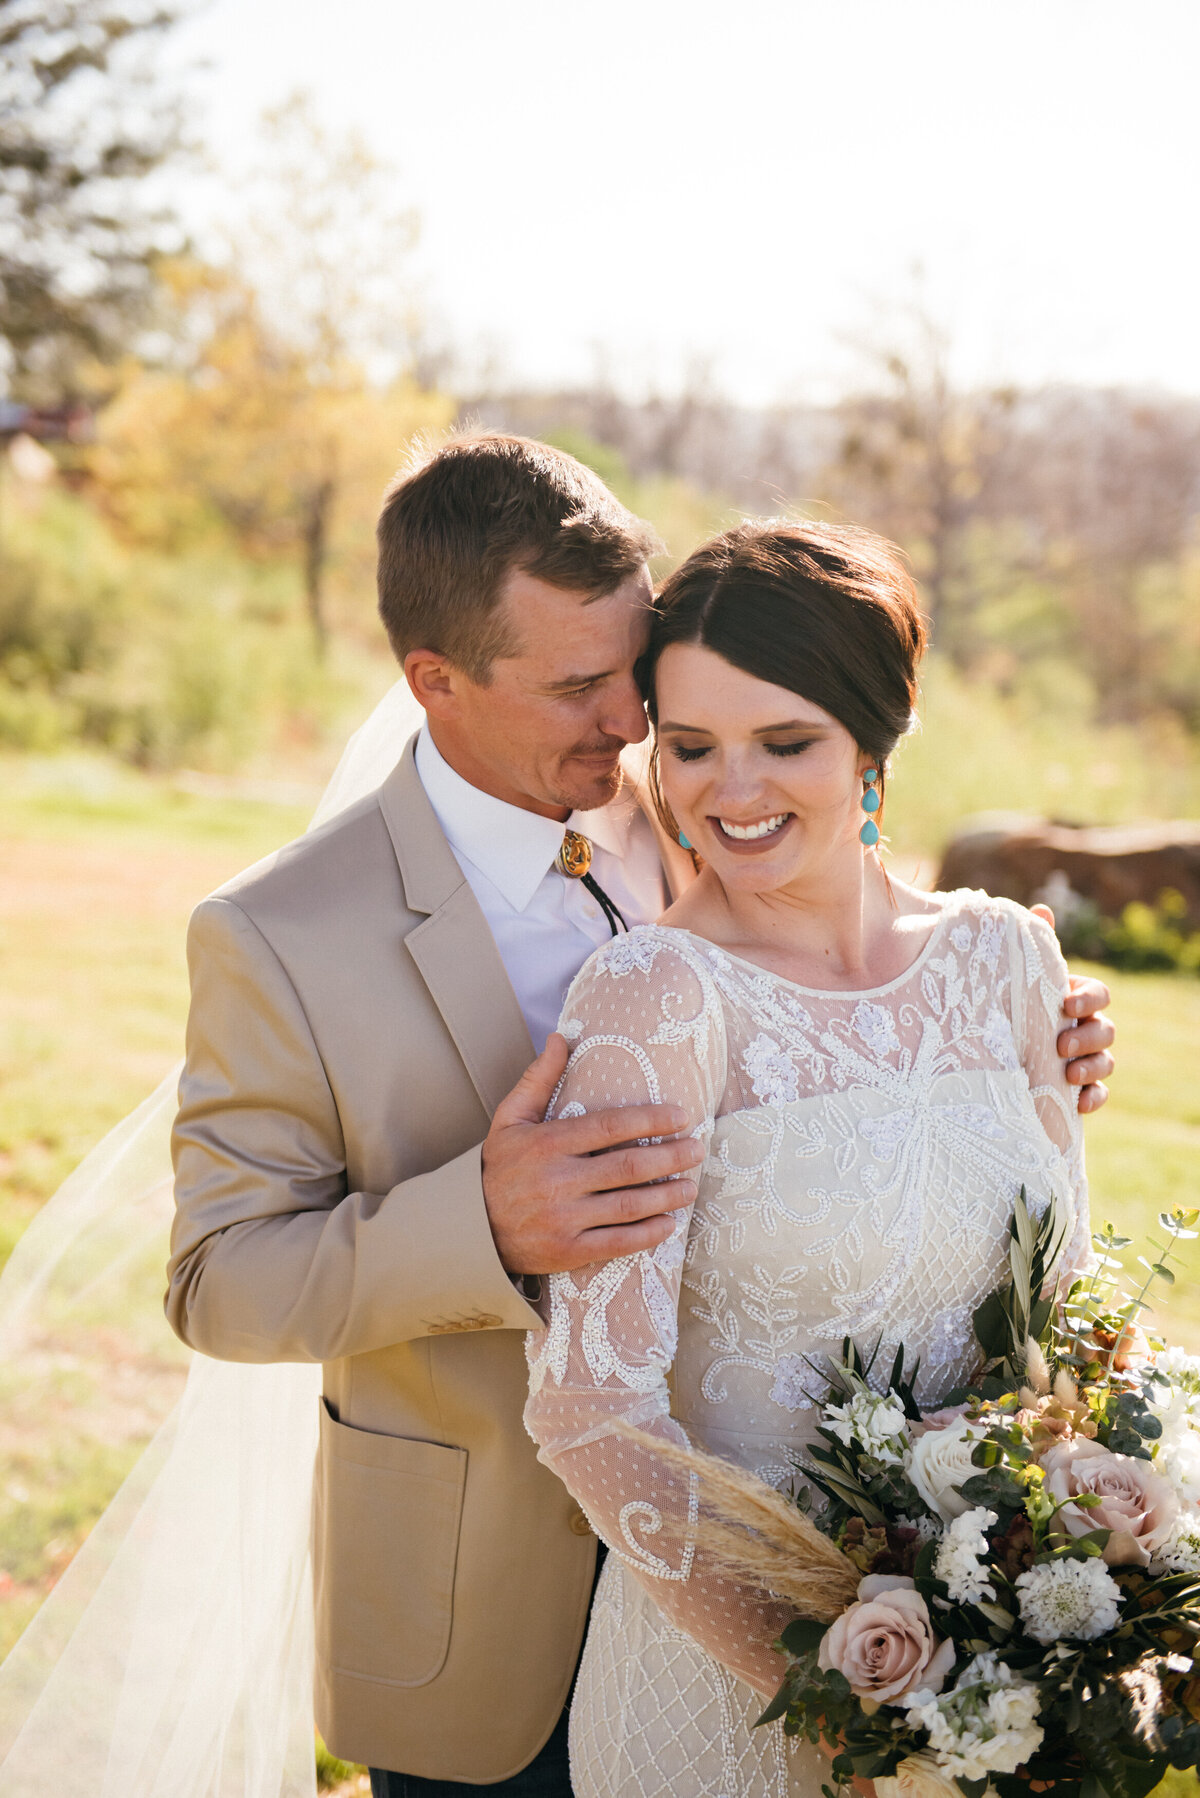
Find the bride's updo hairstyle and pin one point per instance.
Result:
(828, 611)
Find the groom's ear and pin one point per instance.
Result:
(434, 682)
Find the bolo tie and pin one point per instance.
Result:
(574, 860)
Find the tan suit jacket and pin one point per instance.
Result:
(352, 1029)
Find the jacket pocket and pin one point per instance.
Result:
(386, 1525)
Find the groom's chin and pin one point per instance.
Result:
(586, 789)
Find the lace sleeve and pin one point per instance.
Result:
(645, 1024)
(1040, 985)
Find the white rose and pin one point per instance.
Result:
(917, 1776)
(940, 1460)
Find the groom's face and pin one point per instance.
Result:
(547, 730)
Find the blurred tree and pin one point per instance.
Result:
(914, 460)
(82, 122)
(292, 391)
(246, 439)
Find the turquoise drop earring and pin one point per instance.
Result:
(869, 834)
(683, 842)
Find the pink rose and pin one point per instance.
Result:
(884, 1643)
(1136, 1503)
(939, 1420)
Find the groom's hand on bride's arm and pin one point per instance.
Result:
(563, 1194)
(1085, 1043)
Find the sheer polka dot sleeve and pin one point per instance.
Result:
(645, 1024)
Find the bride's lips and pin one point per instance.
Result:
(777, 823)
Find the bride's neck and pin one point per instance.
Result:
(837, 926)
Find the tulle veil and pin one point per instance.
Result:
(173, 1659)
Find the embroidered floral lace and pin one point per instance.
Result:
(863, 1152)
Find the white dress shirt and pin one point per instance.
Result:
(545, 925)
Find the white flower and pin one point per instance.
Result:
(1177, 1458)
(876, 1028)
(939, 1461)
(875, 1421)
(1179, 1368)
(634, 951)
(1180, 1553)
(771, 1070)
(987, 1724)
(1080, 1599)
(1172, 1389)
(917, 1776)
(962, 1556)
(789, 1389)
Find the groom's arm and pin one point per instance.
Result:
(275, 1258)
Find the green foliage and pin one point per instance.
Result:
(331, 1772)
(158, 660)
(1008, 1318)
(1144, 939)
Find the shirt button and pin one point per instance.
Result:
(578, 1524)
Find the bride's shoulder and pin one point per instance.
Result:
(647, 949)
(640, 964)
(989, 924)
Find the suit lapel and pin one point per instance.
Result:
(453, 948)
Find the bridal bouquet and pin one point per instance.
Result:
(1019, 1596)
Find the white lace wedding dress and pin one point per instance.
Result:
(863, 1154)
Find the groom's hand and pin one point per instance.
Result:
(1084, 1045)
(562, 1194)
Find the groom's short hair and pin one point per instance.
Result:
(456, 522)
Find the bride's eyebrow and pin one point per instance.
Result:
(764, 730)
(801, 724)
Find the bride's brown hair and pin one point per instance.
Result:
(828, 611)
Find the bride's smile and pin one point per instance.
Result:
(764, 783)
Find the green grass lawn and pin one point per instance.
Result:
(98, 871)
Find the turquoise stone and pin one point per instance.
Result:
(683, 842)
(870, 774)
(869, 834)
(870, 800)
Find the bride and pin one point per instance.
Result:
(873, 1073)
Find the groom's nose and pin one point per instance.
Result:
(624, 715)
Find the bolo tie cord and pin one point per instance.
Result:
(615, 920)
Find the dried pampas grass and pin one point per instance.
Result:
(754, 1533)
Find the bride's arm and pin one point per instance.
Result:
(1041, 985)
(645, 1025)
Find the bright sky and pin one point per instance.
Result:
(750, 180)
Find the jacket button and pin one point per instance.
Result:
(578, 1524)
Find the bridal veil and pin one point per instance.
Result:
(173, 1658)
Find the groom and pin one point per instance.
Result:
(362, 1174)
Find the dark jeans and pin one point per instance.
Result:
(549, 1776)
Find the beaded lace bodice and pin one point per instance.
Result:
(863, 1154)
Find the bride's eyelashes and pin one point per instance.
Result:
(684, 752)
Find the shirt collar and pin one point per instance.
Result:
(513, 847)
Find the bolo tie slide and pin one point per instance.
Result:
(574, 860)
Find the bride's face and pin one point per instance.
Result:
(764, 784)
